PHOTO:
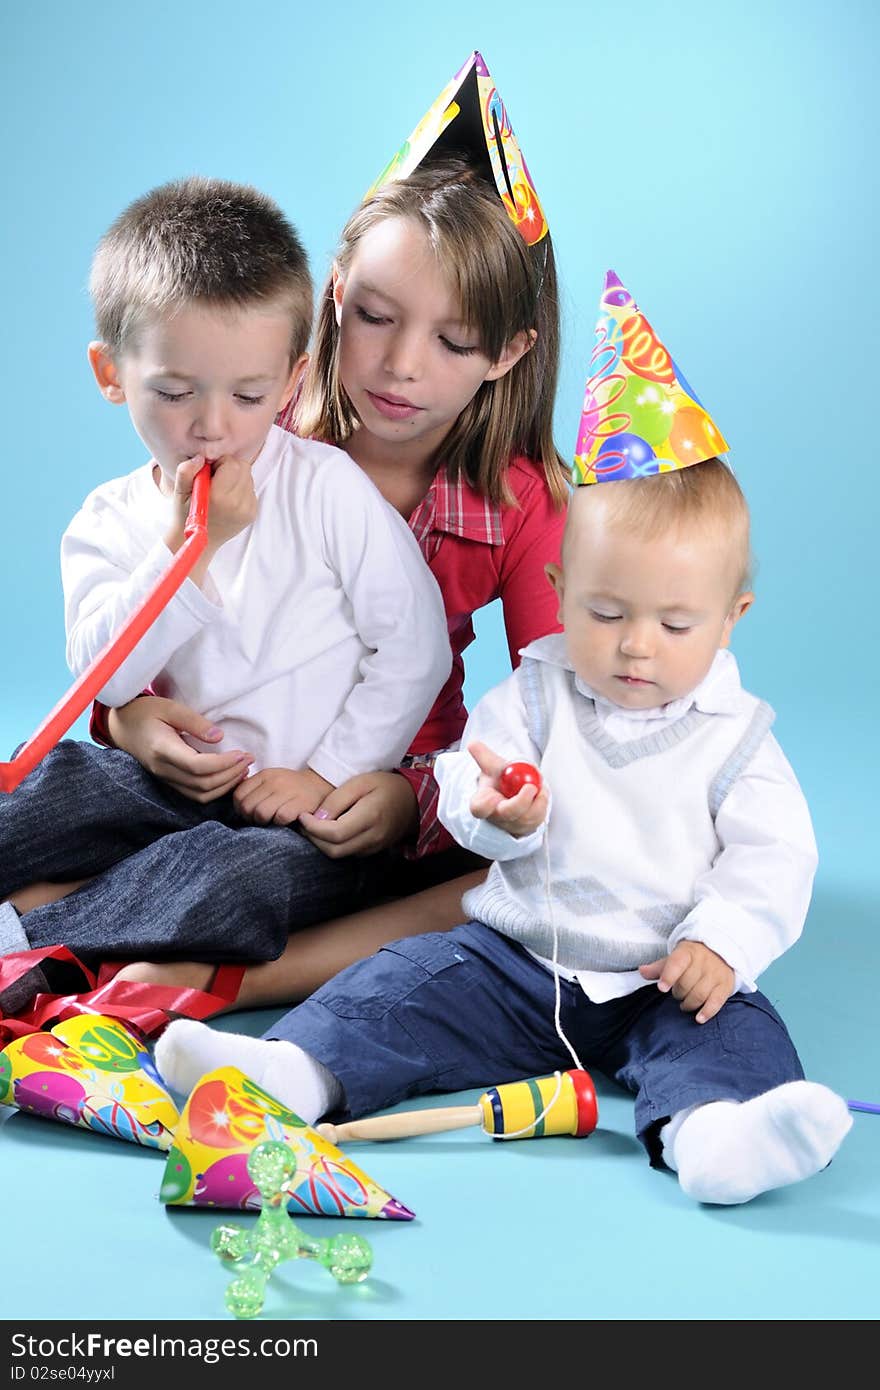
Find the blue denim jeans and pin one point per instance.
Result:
(469, 1008)
(169, 877)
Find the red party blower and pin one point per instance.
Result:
(106, 663)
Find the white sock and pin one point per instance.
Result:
(188, 1049)
(730, 1151)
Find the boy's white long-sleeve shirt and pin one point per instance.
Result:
(318, 637)
(639, 857)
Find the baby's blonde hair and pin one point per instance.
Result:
(198, 241)
(702, 495)
(504, 288)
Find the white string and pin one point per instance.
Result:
(556, 1011)
(516, 1133)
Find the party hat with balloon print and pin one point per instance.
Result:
(94, 1072)
(469, 118)
(639, 416)
(225, 1117)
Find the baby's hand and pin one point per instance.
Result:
(277, 795)
(519, 815)
(696, 975)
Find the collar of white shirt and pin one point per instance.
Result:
(719, 692)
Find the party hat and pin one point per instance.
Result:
(468, 117)
(640, 416)
(225, 1117)
(93, 1072)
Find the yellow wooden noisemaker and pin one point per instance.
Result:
(564, 1103)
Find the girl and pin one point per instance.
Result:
(434, 366)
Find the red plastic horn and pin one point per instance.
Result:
(95, 677)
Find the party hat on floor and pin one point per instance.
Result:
(226, 1115)
(469, 118)
(93, 1072)
(639, 415)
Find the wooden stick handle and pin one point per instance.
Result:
(403, 1125)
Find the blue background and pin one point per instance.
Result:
(722, 159)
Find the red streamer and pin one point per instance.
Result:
(148, 1007)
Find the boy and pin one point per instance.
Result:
(310, 632)
(635, 897)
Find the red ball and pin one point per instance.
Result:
(517, 775)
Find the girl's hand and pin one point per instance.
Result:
(367, 813)
(696, 975)
(150, 728)
(280, 795)
(519, 815)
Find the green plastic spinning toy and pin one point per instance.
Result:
(276, 1238)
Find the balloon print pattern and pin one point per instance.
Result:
(639, 416)
(93, 1072)
(226, 1116)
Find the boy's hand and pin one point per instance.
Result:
(519, 815)
(367, 813)
(232, 505)
(696, 975)
(150, 728)
(278, 795)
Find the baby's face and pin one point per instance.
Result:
(643, 617)
(207, 381)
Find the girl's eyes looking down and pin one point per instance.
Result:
(459, 349)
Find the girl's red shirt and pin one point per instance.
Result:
(479, 551)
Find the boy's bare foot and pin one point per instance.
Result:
(41, 894)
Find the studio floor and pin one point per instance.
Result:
(727, 169)
(554, 1228)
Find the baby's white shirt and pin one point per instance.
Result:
(649, 843)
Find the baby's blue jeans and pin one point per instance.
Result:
(469, 1008)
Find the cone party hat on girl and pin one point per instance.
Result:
(468, 117)
(226, 1115)
(639, 416)
(90, 1071)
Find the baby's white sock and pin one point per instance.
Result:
(187, 1050)
(730, 1151)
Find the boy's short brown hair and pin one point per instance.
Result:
(198, 240)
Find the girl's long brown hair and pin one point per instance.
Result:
(504, 286)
